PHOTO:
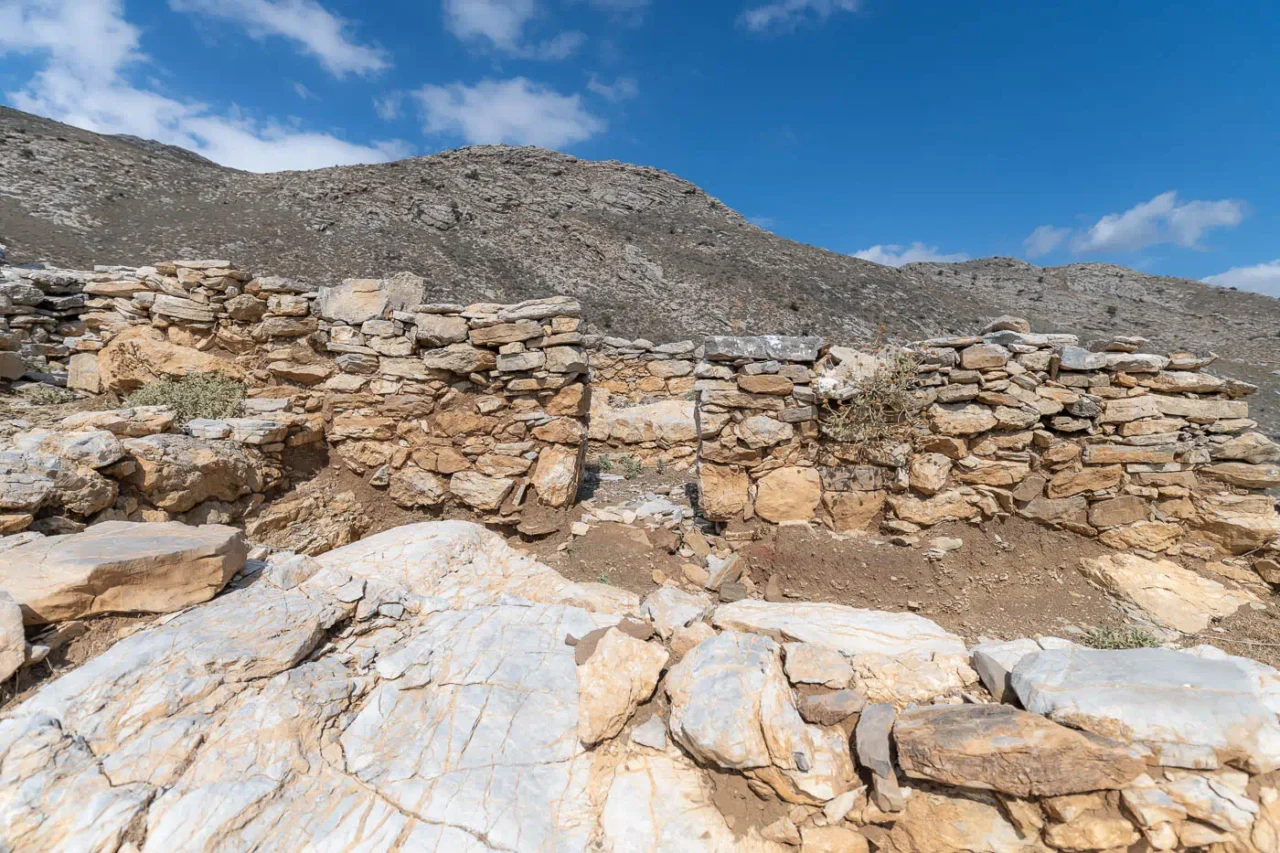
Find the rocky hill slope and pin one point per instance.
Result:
(647, 253)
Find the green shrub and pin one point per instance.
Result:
(1120, 638)
(199, 395)
(631, 467)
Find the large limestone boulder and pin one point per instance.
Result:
(90, 448)
(413, 487)
(952, 505)
(176, 472)
(789, 494)
(1182, 711)
(310, 520)
(960, 419)
(849, 630)
(140, 355)
(722, 491)
(1237, 532)
(120, 566)
(731, 706)
(935, 822)
(428, 556)
(1252, 447)
(359, 299)
(999, 748)
(136, 422)
(479, 491)
(558, 474)
(463, 359)
(668, 422)
(1163, 593)
(413, 689)
(32, 481)
(897, 658)
(853, 511)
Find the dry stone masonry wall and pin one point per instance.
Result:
(1146, 452)
(490, 406)
(483, 405)
(642, 405)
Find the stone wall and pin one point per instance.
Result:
(39, 310)
(642, 403)
(483, 405)
(1147, 452)
(489, 405)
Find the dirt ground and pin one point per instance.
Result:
(1011, 578)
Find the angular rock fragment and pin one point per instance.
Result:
(619, 675)
(999, 748)
(120, 566)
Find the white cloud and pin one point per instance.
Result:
(1163, 219)
(622, 89)
(317, 31)
(512, 111)
(917, 252)
(305, 93)
(501, 25)
(388, 106)
(765, 222)
(88, 46)
(1044, 240)
(788, 14)
(1260, 278)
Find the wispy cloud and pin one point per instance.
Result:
(621, 89)
(765, 222)
(1259, 278)
(303, 92)
(316, 30)
(500, 25)
(515, 111)
(1044, 240)
(1164, 220)
(785, 15)
(917, 252)
(87, 48)
(388, 107)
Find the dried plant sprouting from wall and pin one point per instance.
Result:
(876, 410)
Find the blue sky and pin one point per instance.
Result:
(1139, 133)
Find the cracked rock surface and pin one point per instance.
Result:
(309, 718)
